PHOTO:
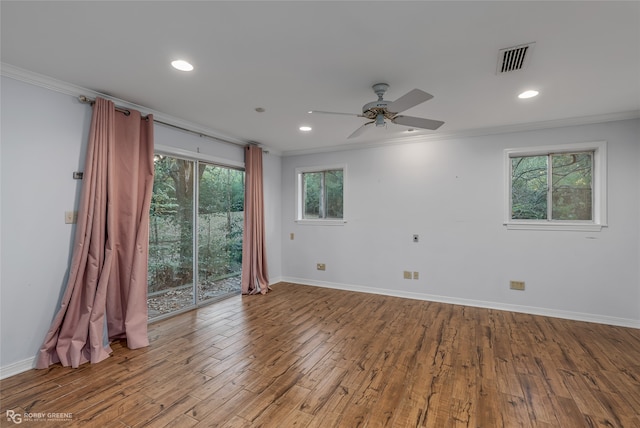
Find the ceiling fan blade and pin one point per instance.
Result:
(417, 122)
(360, 130)
(408, 100)
(333, 112)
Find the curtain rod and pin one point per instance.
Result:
(86, 100)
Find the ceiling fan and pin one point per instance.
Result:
(381, 110)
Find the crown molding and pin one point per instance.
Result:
(53, 84)
(62, 87)
(477, 132)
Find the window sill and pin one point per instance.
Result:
(322, 222)
(579, 227)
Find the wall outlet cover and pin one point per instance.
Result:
(516, 285)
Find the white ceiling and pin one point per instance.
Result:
(291, 57)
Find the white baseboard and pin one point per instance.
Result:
(17, 367)
(28, 364)
(273, 281)
(554, 313)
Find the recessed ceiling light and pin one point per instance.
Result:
(305, 128)
(181, 65)
(528, 94)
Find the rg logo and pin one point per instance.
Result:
(14, 417)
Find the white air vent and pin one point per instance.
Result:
(514, 58)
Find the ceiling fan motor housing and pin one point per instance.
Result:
(378, 109)
(374, 106)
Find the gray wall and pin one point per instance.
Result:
(44, 135)
(451, 193)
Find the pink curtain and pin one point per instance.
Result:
(255, 278)
(106, 294)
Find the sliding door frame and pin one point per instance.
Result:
(198, 159)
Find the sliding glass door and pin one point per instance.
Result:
(195, 239)
(220, 223)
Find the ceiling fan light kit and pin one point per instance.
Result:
(381, 110)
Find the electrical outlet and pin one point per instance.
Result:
(516, 285)
(291, 236)
(407, 274)
(416, 275)
(321, 266)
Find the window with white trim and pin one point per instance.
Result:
(559, 187)
(320, 194)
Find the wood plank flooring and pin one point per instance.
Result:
(311, 357)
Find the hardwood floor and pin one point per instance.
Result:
(311, 357)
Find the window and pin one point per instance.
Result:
(560, 187)
(320, 194)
